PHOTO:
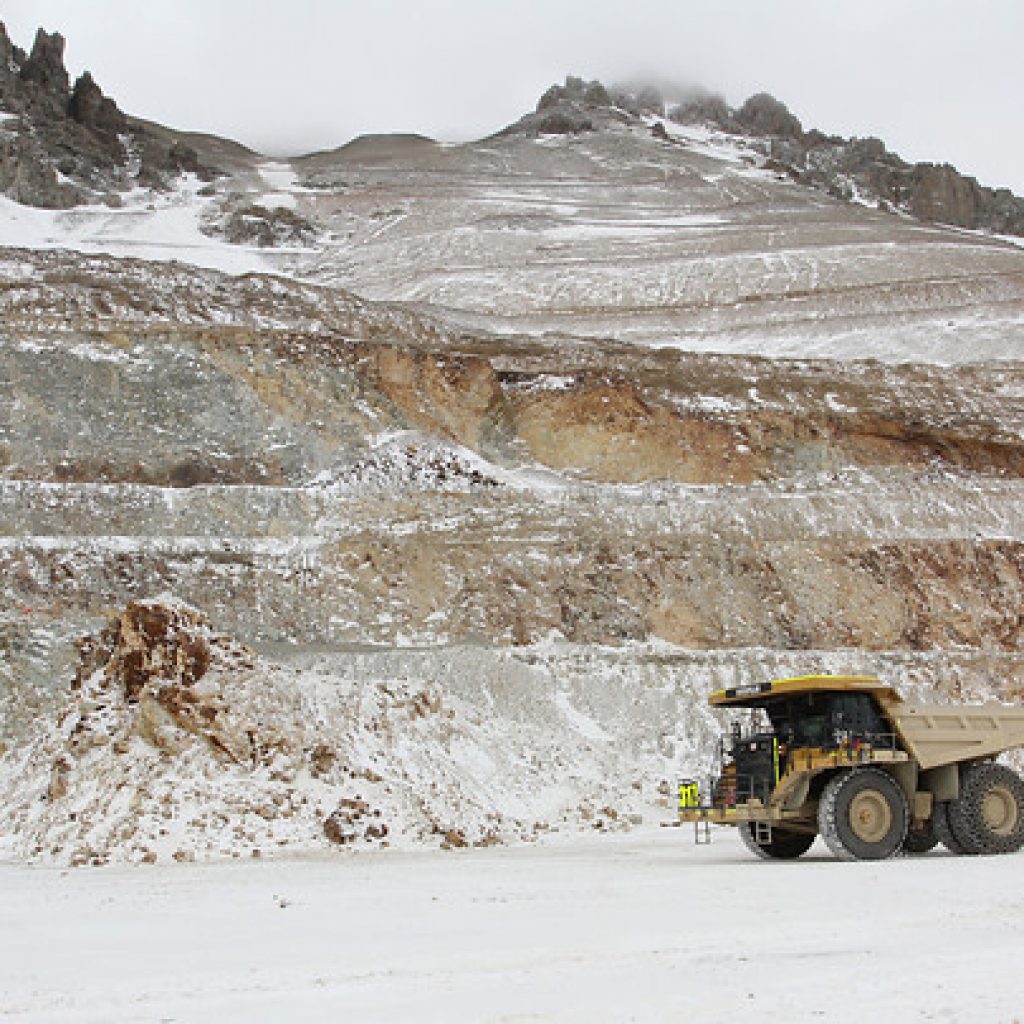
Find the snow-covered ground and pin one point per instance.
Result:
(646, 927)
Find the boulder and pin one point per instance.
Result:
(151, 659)
(257, 225)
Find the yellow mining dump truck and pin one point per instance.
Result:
(845, 757)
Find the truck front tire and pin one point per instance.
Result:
(785, 844)
(863, 815)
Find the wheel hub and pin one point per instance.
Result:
(999, 811)
(870, 816)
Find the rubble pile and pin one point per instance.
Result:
(177, 742)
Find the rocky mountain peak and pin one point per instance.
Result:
(576, 107)
(66, 145)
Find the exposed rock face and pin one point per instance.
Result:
(73, 144)
(864, 168)
(861, 169)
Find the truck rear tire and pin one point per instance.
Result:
(785, 844)
(989, 816)
(863, 815)
(943, 830)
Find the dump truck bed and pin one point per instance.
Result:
(938, 734)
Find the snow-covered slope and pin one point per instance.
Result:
(684, 242)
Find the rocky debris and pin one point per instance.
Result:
(151, 660)
(419, 462)
(252, 224)
(177, 742)
(72, 144)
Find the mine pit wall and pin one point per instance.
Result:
(848, 516)
(683, 589)
(423, 590)
(277, 408)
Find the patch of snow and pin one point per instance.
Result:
(705, 140)
(151, 225)
(832, 401)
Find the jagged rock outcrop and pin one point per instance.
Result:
(69, 144)
(44, 73)
(644, 100)
(763, 114)
(576, 107)
(575, 90)
(91, 108)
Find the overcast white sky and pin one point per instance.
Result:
(938, 80)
